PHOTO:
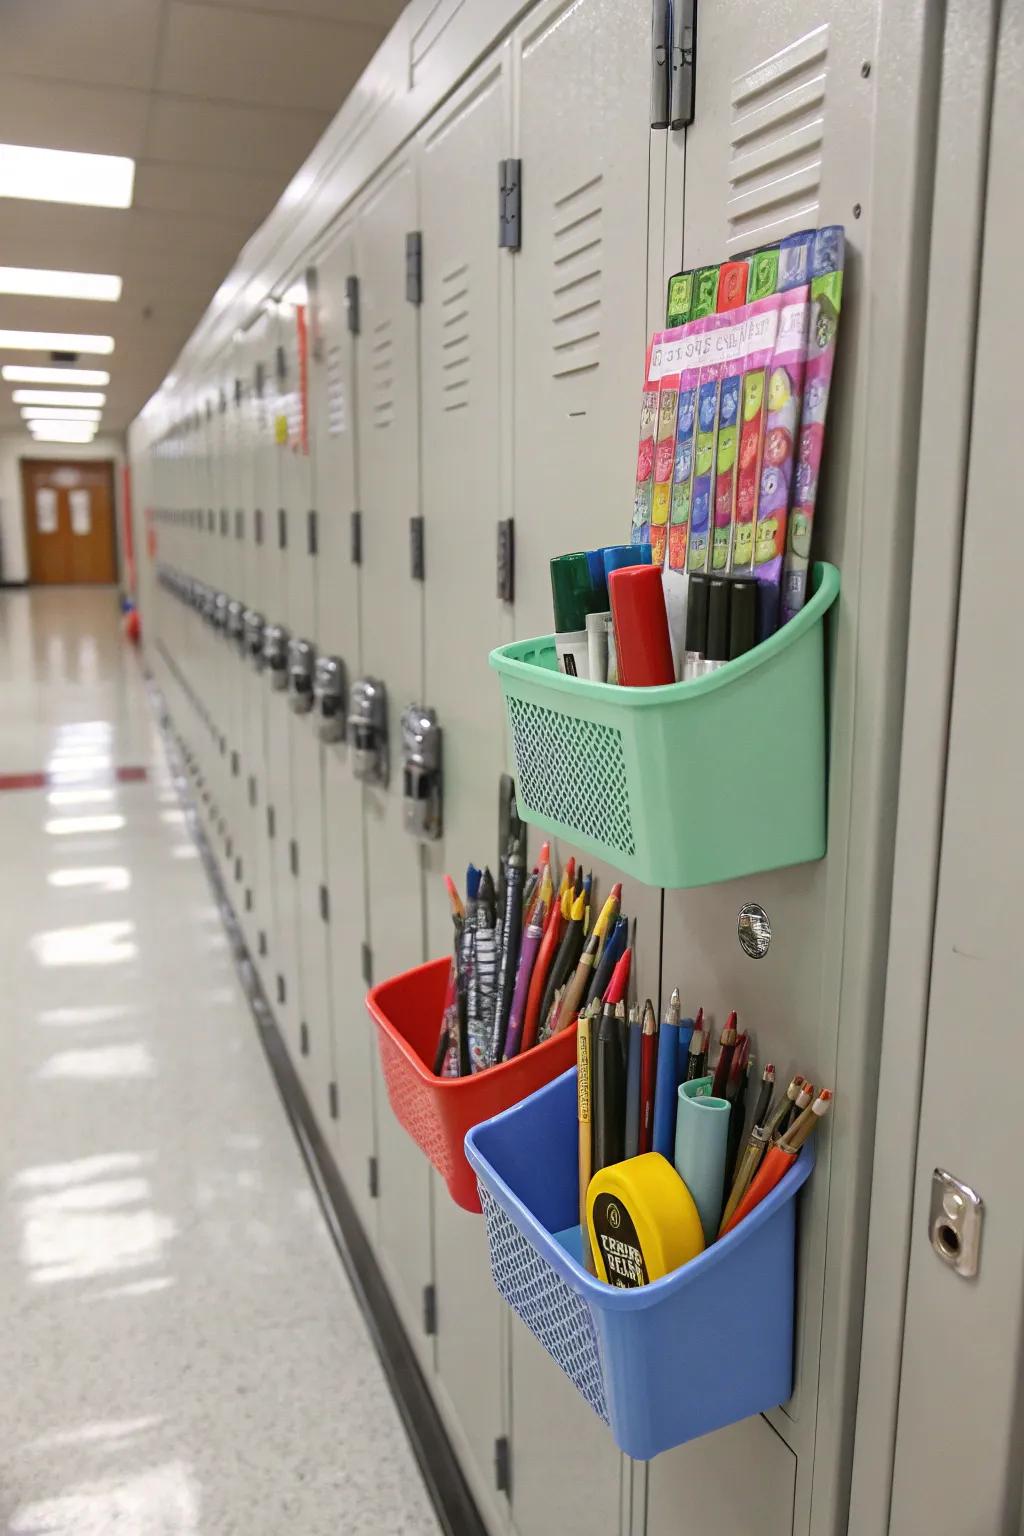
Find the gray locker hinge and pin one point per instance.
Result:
(258, 525)
(502, 1465)
(239, 524)
(684, 63)
(506, 559)
(210, 520)
(304, 1039)
(332, 1100)
(357, 538)
(281, 364)
(510, 204)
(259, 378)
(312, 540)
(293, 856)
(414, 266)
(234, 763)
(661, 20)
(372, 1177)
(223, 522)
(252, 789)
(429, 1309)
(271, 821)
(280, 988)
(416, 566)
(352, 304)
(367, 955)
(325, 904)
(282, 528)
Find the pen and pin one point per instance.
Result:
(511, 936)
(548, 948)
(736, 1095)
(648, 1073)
(609, 956)
(532, 938)
(566, 958)
(667, 1080)
(779, 1160)
(695, 1056)
(802, 1101)
(764, 1097)
(783, 1107)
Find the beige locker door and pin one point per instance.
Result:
(315, 1055)
(333, 424)
(582, 87)
(392, 651)
(466, 373)
(958, 1449)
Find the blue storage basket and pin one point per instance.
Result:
(705, 1346)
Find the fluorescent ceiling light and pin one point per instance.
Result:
(53, 432)
(14, 373)
(54, 341)
(57, 413)
(43, 283)
(58, 397)
(65, 176)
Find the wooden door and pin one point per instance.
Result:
(69, 520)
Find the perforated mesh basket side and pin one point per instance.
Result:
(553, 1312)
(573, 771)
(414, 1106)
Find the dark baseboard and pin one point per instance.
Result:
(442, 1473)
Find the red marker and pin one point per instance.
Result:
(648, 1073)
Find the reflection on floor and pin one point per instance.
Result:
(181, 1354)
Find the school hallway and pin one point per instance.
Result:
(182, 1352)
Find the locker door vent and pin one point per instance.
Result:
(577, 255)
(455, 337)
(429, 1309)
(776, 139)
(337, 406)
(382, 369)
(304, 1038)
(502, 1465)
(372, 1177)
(332, 1100)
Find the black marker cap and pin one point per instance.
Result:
(697, 613)
(742, 618)
(718, 619)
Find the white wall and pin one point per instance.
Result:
(19, 445)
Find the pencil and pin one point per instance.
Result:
(648, 1074)
(586, 1151)
(726, 1046)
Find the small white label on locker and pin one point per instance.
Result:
(46, 509)
(81, 511)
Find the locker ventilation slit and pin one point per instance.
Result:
(576, 265)
(455, 338)
(337, 403)
(502, 1465)
(429, 1309)
(777, 134)
(550, 748)
(382, 370)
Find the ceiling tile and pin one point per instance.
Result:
(107, 42)
(216, 133)
(209, 190)
(101, 120)
(282, 60)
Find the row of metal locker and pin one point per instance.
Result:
(348, 468)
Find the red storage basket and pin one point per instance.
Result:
(438, 1111)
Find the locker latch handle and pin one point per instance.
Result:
(684, 62)
(329, 693)
(421, 773)
(301, 661)
(368, 731)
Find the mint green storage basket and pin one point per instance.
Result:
(686, 784)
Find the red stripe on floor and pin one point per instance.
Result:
(131, 775)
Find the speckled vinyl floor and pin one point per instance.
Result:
(180, 1351)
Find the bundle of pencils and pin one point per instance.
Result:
(630, 1071)
(521, 977)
